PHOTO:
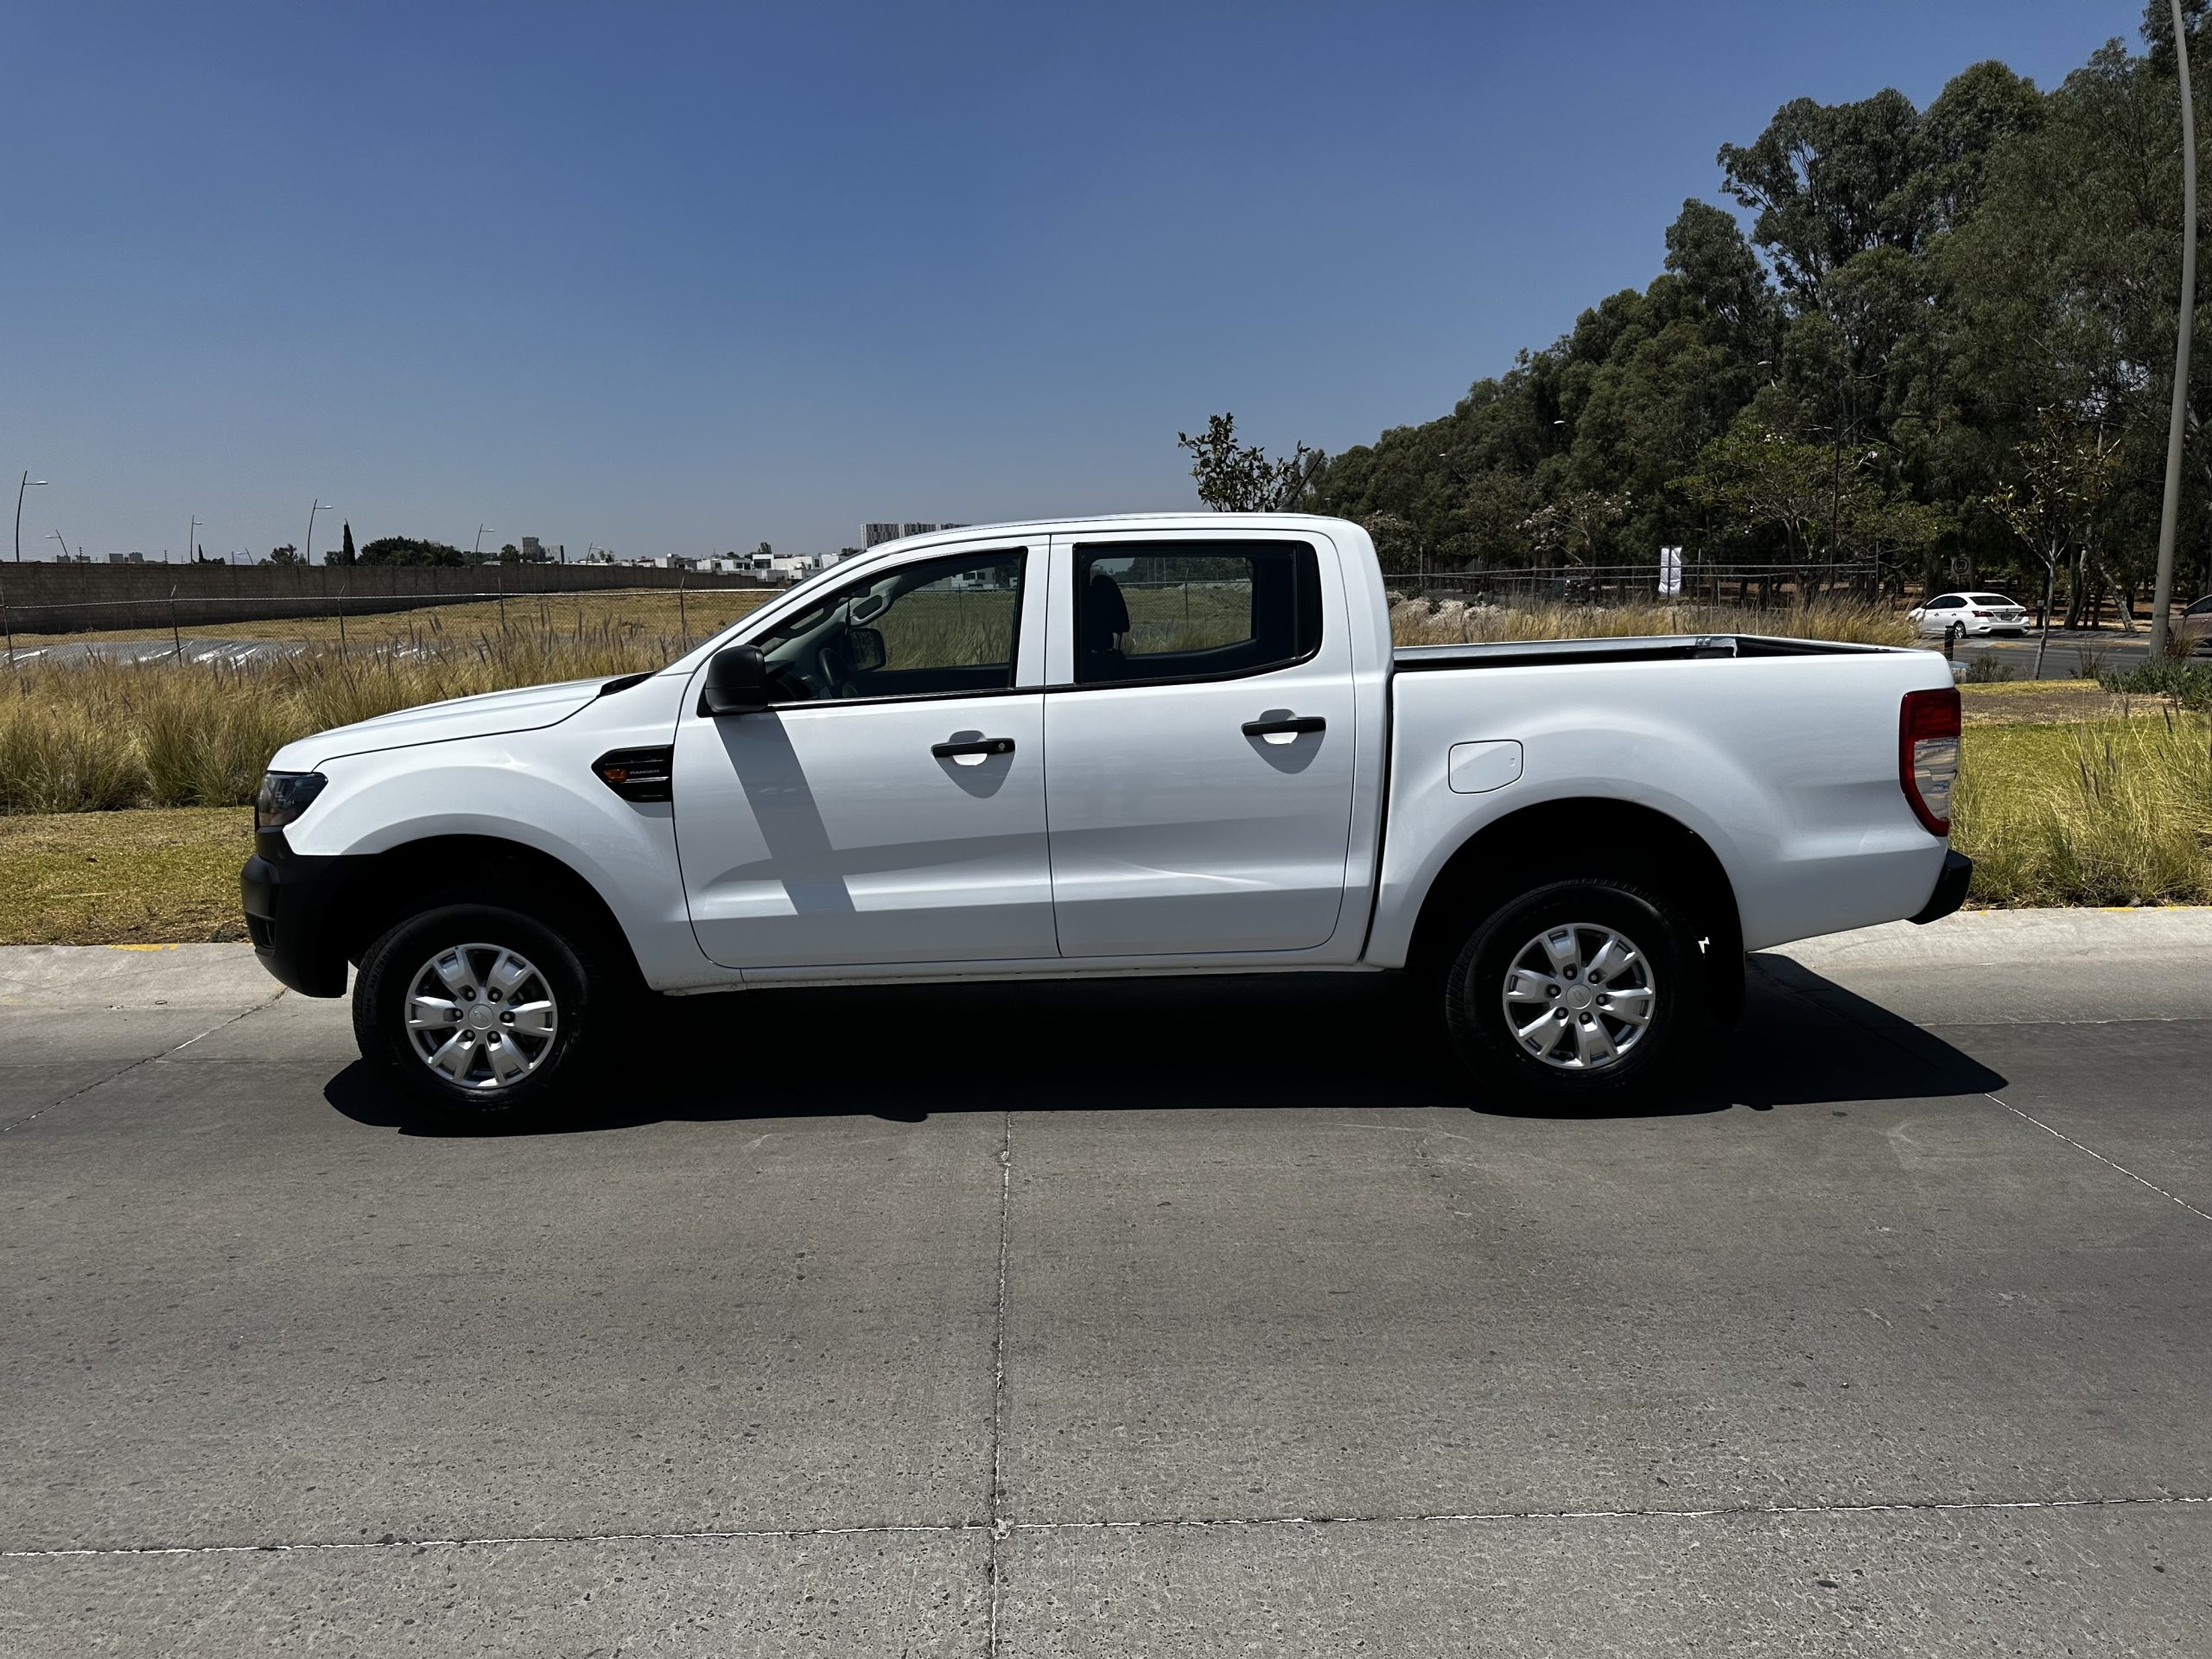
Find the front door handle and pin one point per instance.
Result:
(977, 747)
(1296, 726)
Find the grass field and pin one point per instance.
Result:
(122, 878)
(2103, 811)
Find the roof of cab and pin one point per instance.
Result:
(1211, 522)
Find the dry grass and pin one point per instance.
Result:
(2070, 796)
(92, 736)
(649, 613)
(2044, 703)
(122, 878)
(1414, 622)
(2097, 812)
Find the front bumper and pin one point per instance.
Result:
(1950, 888)
(295, 915)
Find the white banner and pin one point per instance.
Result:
(1670, 570)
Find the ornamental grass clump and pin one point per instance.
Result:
(2100, 812)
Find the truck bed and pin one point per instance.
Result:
(1780, 755)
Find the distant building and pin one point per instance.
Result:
(872, 534)
(533, 551)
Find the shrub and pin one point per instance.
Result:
(65, 758)
(2188, 684)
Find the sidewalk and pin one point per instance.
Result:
(2177, 940)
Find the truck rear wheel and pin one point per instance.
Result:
(475, 1011)
(1586, 991)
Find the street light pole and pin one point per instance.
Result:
(479, 548)
(63, 540)
(27, 482)
(307, 552)
(2163, 591)
(192, 542)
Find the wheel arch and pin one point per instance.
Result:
(1601, 836)
(386, 887)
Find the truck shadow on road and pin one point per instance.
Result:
(1286, 1042)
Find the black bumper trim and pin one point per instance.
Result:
(1950, 888)
(293, 913)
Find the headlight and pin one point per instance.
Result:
(284, 796)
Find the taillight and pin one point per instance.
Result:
(1928, 755)
(1982, 612)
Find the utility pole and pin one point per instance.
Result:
(2163, 593)
(26, 483)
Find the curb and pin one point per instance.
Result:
(1969, 938)
(133, 976)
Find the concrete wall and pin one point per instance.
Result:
(41, 598)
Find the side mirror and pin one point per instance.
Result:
(737, 683)
(865, 648)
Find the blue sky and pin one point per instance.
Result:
(677, 278)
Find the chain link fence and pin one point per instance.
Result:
(1751, 586)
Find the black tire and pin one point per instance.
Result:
(1645, 1058)
(563, 968)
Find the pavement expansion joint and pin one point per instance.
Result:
(2101, 1158)
(999, 1529)
(995, 1530)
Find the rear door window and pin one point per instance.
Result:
(1199, 610)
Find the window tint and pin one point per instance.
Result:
(1948, 601)
(2202, 608)
(1187, 610)
(931, 628)
(1989, 599)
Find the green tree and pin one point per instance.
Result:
(287, 554)
(1234, 477)
(2061, 477)
(1573, 527)
(407, 549)
(1829, 182)
(1762, 477)
(346, 555)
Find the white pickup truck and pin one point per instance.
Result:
(1175, 744)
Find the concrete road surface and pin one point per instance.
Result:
(1122, 1318)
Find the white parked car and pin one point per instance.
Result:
(1971, 613)
(1175, 744)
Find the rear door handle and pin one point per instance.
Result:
(979, 747)
(1297, 725)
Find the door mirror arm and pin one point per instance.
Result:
(737, 683)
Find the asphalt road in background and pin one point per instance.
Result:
(2072, 652)
(1125, 1318)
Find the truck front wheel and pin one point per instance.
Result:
(1584, 990)
(476, 1011)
